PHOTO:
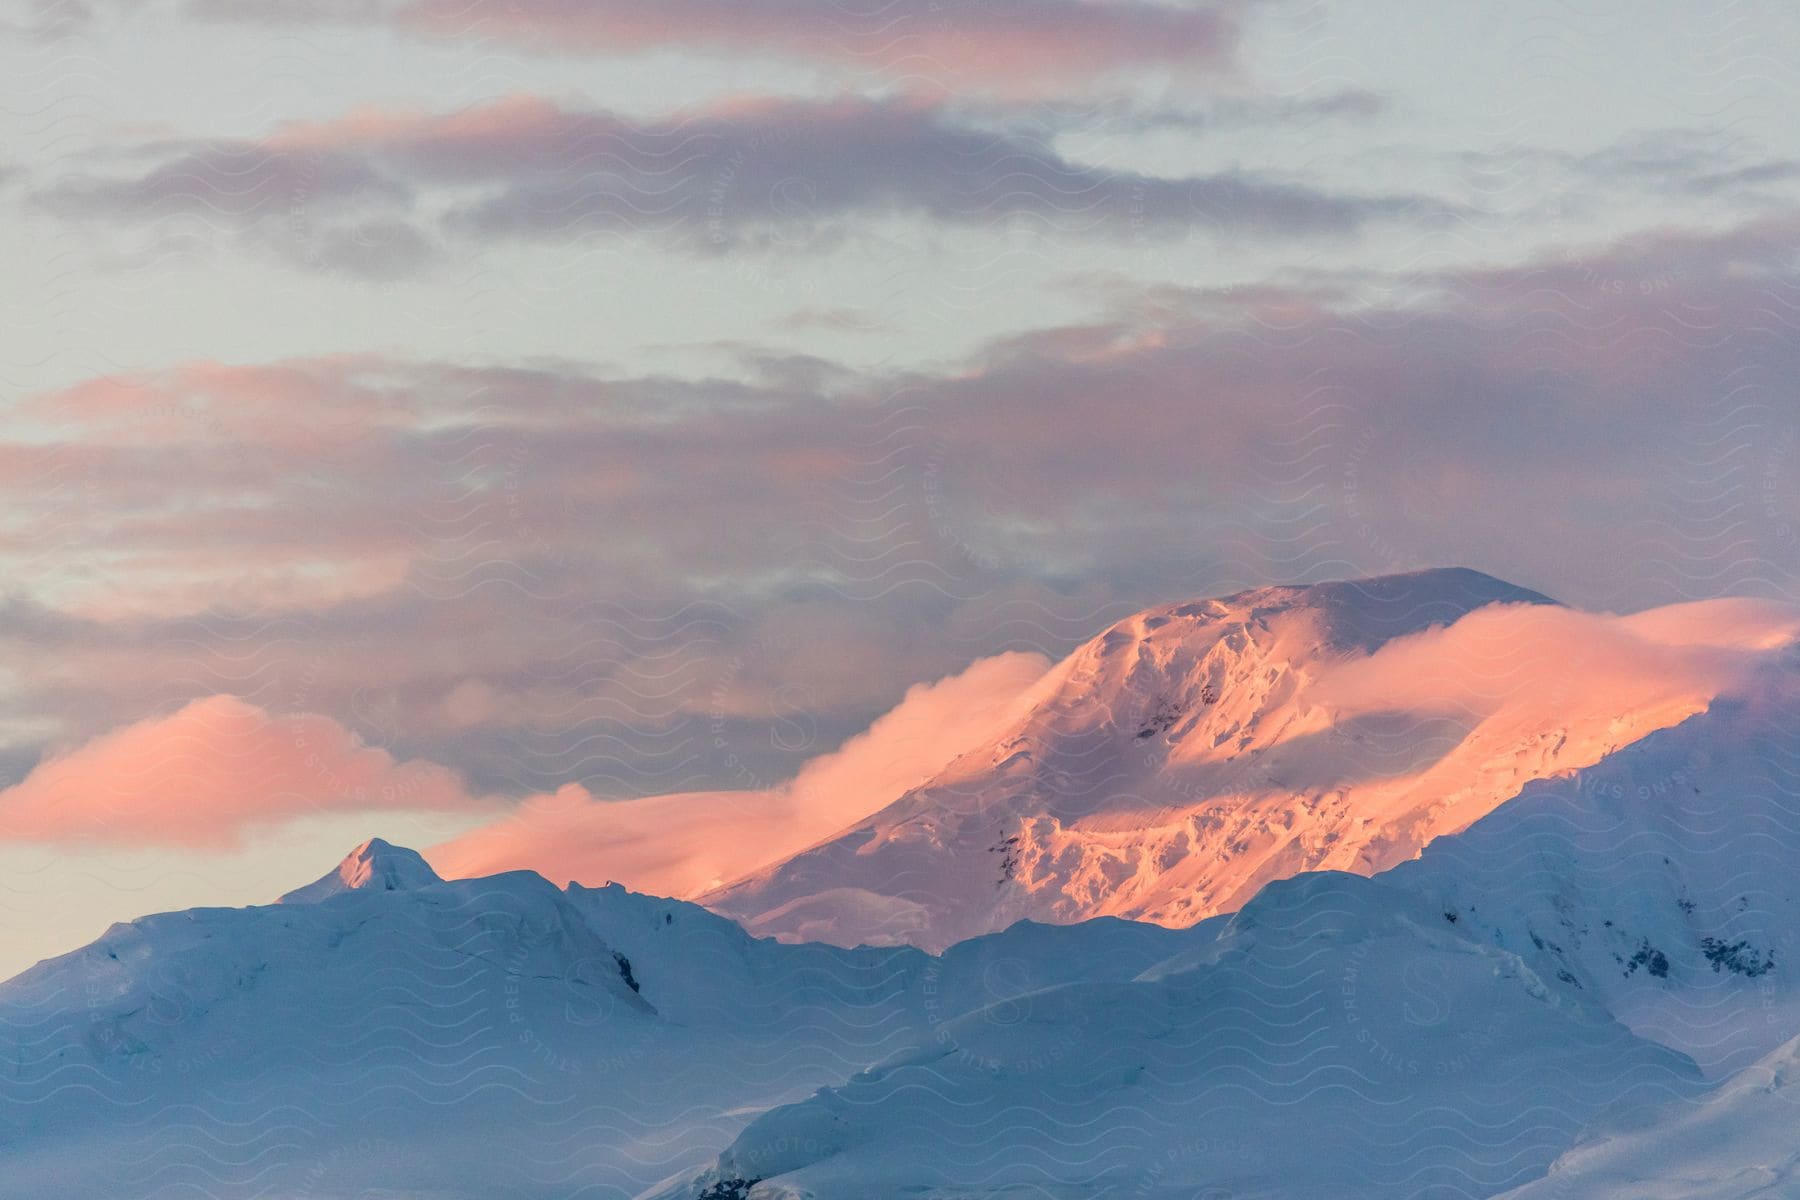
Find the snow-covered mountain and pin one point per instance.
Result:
(1188, 755)
(1554, 932)
(1567, 973)
(385, 1033)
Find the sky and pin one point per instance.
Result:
(451, 422)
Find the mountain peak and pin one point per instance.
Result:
(1188, 754)
(375, 865)
(1365, 613)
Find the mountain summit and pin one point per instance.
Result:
(1186, 756)
(375, 866)
(1357, 614)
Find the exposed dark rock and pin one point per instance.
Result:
(1650, 958)
(1739, 957)
(625, 972)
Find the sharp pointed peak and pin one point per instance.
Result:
(375, 865)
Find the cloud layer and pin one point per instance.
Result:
(962, 43)
(205, 776)
(542, 573)
(381, 193)
(1543, 678)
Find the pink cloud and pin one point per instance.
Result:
(685, 844)
(1548, 665)
(1560, 687)
(302, 406)
(964, 43)
(204, 775)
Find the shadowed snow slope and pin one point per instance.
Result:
(1337, 1039)
(1189, 755)
(1737, 1143)
(473, 1038)
(1659, 881)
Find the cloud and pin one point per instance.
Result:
(1741, 625)
(537, 573)
(203, 776)
(1543, 667)
(1010, 44)
(219, 768)
(954, 42)
(382, 193)
(682, 845)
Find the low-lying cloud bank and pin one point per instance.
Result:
(685, 844)
(1547, 663)
(205, 776)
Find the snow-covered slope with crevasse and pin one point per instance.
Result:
(1189, 755)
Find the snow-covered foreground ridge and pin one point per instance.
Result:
(1594, 979)
(1188, 755)
(383, 1032)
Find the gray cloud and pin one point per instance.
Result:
(376, 194)
(538, 573)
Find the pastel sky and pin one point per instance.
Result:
(452, 421)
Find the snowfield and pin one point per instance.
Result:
(1437, 890)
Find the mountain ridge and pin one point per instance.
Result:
(1588, 955)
